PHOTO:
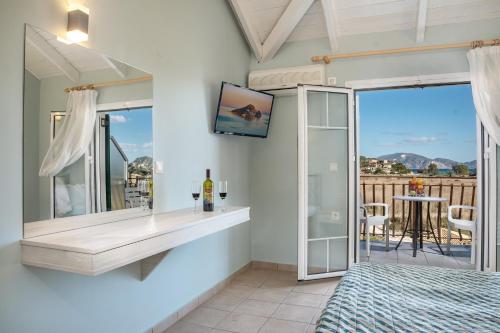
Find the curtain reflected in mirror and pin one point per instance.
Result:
(112, 168)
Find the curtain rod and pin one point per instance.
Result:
(477, 43)
(109, 83)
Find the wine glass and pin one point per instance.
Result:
(223, 192)
(195, 192)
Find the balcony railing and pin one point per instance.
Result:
(458, 191)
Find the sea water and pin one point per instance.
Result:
(229, 122)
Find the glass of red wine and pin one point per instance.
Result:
(223, 192)
(195, 191)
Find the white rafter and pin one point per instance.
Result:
(284, 27)
(421, 20)
(331, 23)
(116, 66)
(250, 33)
(52, 55)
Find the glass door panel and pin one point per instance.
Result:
(326, 169)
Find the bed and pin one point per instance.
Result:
(404, 298)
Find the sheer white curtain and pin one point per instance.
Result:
(75, 135)
(485, 80)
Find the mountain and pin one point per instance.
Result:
(415, 161)
(141, 165)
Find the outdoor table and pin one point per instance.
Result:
(416, 203)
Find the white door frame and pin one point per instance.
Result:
(303, 182)
(443, 79)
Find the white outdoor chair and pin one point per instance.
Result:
(374, 220)
(461, 224)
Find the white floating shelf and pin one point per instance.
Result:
(98, 249)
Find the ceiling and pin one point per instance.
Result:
(269, 23)
(45, 57)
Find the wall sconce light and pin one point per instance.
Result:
(78, 23)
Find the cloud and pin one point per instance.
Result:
(118, 119)
(147, 145)
(128, 146)
(420, 140)
(415, 141)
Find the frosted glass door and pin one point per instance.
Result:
(326, 150)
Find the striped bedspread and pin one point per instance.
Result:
(403, 298)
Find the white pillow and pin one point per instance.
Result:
(63, 201)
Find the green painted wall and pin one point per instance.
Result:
(189, 46)
(30, 152)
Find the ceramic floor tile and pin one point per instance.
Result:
(183, 327)
(406, 258)
(314, 287)
(316, 316)
(204, 316)
(311, 329)
(299, 313)
(241, 291)
(250, 281)
(223, 301)
(269, 295)
(283, 326)
(257, 308)
(242, 323)
(287, 276)
(304, 299)
(441, 261)
(284, 285)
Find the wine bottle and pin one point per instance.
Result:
(208, 194)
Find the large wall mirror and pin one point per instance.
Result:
(87, 129)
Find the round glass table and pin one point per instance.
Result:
(416, 209)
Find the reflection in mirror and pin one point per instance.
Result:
(87, 149)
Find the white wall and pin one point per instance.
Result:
(269, 223)
(189, 46)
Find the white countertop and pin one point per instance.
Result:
(96, 249)
(107, 236)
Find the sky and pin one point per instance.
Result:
(237, 97)
(433, 122)
(133, 129)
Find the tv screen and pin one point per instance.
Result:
(243, 111)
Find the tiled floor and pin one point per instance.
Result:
(261, 301)
(459, 257)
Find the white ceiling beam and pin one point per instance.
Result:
(251, 35)
(421, 20)
(331, 23)
(284, 27)
(118, 67)
(52, 55)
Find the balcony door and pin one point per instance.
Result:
(326, 181)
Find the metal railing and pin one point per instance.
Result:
(383, 191)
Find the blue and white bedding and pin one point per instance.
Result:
(403, 298)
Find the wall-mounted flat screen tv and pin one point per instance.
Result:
(243, 111)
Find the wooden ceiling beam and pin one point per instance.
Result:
(117, 67)
(331, 23)
(284, 27)
(248, 30)
(51, 54)
(421, 19)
